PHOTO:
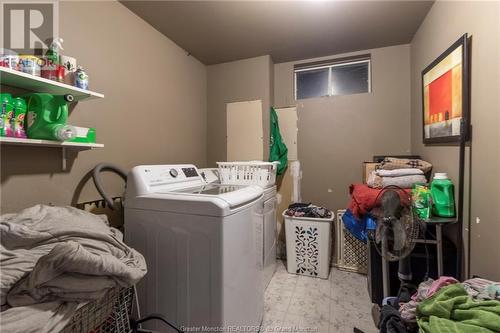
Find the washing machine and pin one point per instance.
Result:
(267, 239)
(265, 228)
(198, 241)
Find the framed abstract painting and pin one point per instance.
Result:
(445, 95)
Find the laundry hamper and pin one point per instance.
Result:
(248, 173)
(308, 245)
(351, 253)
(110, 314)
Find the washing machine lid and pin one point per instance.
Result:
(209, 189)
(180, 188)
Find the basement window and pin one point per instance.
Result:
(341, 77)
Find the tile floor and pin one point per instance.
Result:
(336, 305)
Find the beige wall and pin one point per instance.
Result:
(336, 134)
(243, 80)
(444, 24)
(154, 110)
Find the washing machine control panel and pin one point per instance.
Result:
(169, 174)
(190, 172)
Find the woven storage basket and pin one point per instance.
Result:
(352, 254)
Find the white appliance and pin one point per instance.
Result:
(268, 238)
(198, 241)
(265, 228)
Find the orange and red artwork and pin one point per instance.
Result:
(443, 96)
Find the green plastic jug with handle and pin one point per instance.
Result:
(6, 114)
(443, 195)
(47, 115)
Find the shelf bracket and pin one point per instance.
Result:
(63, 158)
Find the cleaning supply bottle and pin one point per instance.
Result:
(6, 114)
(17, 122)
(47, 115)
(53, 51)
(443, 193)
(52, 61)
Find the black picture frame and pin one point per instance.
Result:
(464, 42)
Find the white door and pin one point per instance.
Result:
(244, 131)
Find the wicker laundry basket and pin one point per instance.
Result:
(351, 253)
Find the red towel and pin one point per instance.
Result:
(364, 198)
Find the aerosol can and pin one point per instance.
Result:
(46, 117)
(81, 78)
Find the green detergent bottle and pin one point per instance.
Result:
(443, 196)
(46, 117)
(6, 114)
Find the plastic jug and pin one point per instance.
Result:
(443, 196)
(17, 121)
(6, 114)
(47, 115)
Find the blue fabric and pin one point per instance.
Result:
(359, 228)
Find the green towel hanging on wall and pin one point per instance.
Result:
(277, 150)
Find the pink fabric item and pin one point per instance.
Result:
(425, 290)
(443, 281)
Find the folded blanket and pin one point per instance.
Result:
(391, 163)
(482, 289)
(54, 258)
(376, 181)
(399, 172)
(451, 309)
(403, 182)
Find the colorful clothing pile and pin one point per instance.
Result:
(425, 290)
(452, 309)
(445, 305)
(308, 210)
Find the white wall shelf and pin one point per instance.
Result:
(13, 78)
(48, 143)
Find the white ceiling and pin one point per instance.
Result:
(219, 31)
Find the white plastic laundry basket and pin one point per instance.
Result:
(248, 173)
(308, 245)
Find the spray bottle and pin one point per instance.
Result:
(52, 60)
(53, 51)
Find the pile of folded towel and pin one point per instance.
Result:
(399, 172)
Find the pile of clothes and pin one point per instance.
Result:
(56, 259)
(308, 210)
(446, 305)
(399, 172)
(365, 198)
